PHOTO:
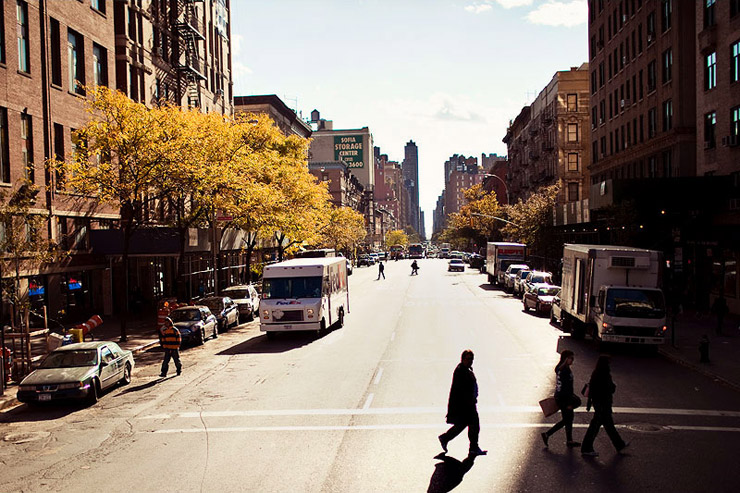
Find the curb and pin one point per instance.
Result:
(699, 369)
(143, 347)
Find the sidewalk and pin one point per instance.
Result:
(141, 335)
(724, 350)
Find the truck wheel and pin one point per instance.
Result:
(552, 318)
(341, 318)
(322, 328)
(526, 308)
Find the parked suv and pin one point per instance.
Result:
(510, 274)
(246, 298)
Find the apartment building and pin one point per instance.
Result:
(461, 173)
(50, 51)
(284, 117)
(410, 166)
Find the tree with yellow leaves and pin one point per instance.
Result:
(396, 237)
(344, 228)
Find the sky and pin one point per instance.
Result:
(448, 74)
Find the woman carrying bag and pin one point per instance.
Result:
(600, 393)
(566, 399)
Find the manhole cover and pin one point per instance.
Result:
(647, 428)
(19, 438)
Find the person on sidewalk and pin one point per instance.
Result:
(462, 409)
(601, 390)
(381, 270)
(566, 399)
(170, 339)
(719, 308)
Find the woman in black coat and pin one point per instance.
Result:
(565, 397)
(601, 390)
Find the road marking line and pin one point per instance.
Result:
(429, 410)
(368, 401)
(408, 426)
(377, 376)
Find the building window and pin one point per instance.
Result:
(652, 122)
(735, 122)
(27, 146)
(4, 147)
(667, 65)
(710, 71)
(572, 161)
(2, 35)
(735, 62)
(100, 65)
(650, 28)
(665, 15)
(24, 56)
(651, 76)
(98, 5)
(572, 102)
(59, 155)
(56, 53)
(76, 61)
(709, 12)
(667, 115)
(710, 125)
(572, 132)
(734, 7)
(572, 192)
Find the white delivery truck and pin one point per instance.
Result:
(304, 294)
(499, 256)
(613, 293)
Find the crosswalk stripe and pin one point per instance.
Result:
(367, 411)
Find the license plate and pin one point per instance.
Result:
(287, 327)
(44, 397)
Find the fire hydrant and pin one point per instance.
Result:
(704, 349)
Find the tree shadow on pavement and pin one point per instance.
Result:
(448, 473)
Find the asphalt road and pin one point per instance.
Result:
(359, 409)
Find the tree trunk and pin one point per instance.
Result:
(182, 284)
(251, 242)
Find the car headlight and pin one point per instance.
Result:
(75, 385)
(26, 388)
(607, 328)
(309, 312)
(265, 314)
(660, 331)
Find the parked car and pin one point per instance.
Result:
(365, 259)
(375, 257)
(537, 277)
(194, 322)
(511, 273)
(246, 298)
(225, 310)
(519, 280)
(77, 371)
(476, 261)
(456, 264)
(540, 297)
(556, 316)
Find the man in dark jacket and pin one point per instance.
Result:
(170, 339)
(462, 409)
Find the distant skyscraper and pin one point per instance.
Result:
(411, 181)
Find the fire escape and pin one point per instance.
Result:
(189, 64)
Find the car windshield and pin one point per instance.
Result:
(215, 304)
(548, 291)
(456, 261)
(236, 293)
(523, 274)
(292, 287)
(535, 278)
(190, 315)
(514, 270)
(70, 359)
(635, 303)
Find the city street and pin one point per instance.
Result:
(359, 409)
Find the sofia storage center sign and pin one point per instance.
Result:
(348, 148)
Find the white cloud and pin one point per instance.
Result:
(478, 8)
(554, 13)
(508, 4)
(236, 44)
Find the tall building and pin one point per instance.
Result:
(439, 217)
(389, 189)
(410, 166)
(461, 173)
(550, 140)
(153, 51)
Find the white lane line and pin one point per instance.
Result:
(430, 410)
(408, 426)
(377, 376)
(368, 401)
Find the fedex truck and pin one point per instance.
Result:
(613, 293)
(304, 294)
(499, 256)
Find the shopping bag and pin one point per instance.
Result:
(549, 406)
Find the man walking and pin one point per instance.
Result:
(462, 409)
(381, 270)
(170, 339)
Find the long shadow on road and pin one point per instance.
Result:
(261, 344)
(448, 473)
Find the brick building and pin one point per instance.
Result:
(389, 189)
(461, 173)
(152, 50)
(285, 118)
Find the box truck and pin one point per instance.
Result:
(613, 293)
(304, 294)
(499, 256)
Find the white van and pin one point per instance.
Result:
(304, 294)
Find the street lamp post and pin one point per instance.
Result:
(506, 188)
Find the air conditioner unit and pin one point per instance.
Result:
(624, 59)
(621, 104)
(601, 120)
(649, 38)
(624, 18)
